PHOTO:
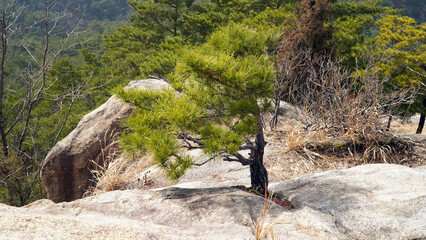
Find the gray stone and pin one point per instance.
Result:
(155, 84)
(369, 202)
(365, 202)
(66, 170)
(169, 213)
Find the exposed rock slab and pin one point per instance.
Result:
(366, 202)
(205, 173)
(66, 169)
(215, 172)
(369, 202)
(170, 213)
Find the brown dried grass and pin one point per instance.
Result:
(120, 173)
(260, 227)
(298, 151)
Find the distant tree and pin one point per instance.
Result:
(160, 28)
(353, 28)
(10, 12)
(35, 100)
(90, 9)
(402, 43)
(227, 84)
(412, 8)
(157, 31)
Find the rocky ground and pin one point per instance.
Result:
(333, 198)
(379, 201)
(366, 202)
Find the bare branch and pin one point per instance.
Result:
(64, 121)
(185, 137)
(239, 158)
(201, 164)
(31, 55)
(248, 146)
(11, 174)
(416, 72)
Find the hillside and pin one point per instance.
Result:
(413, 8)
(209, 201)
(232, 61)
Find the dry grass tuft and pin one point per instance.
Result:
(111, 176)
(296, 135)
(298, 150)
(114, 171)
(342, 119)
(121, 173)
(260, 231)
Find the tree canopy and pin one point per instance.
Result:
(62, 58)
(226, 84)
(402, 43)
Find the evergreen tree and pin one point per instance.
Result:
(402, 42)
(159, 29)
(353, 28)
(226, 85)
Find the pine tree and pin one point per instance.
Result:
(226, 84)
(353, 26)
(159, 29)
(403, 42)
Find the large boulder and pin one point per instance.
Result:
(366, 202)
(66, 170)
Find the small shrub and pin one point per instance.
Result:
(344, 113)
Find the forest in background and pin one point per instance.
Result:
(63, 58)
(412, 8)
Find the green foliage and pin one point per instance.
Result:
(402, 37)
(19, 181)
(403, 44)
(272, 18)
(221, 83)
(350, 37)
(159, 30)
(159, 117)
(353, 24)
(357, 8)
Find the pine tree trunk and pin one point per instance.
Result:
(422, 119)
(389, 123)
(258, 173)
(421, 124)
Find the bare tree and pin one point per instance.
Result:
(19, 129)
(9, 26)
